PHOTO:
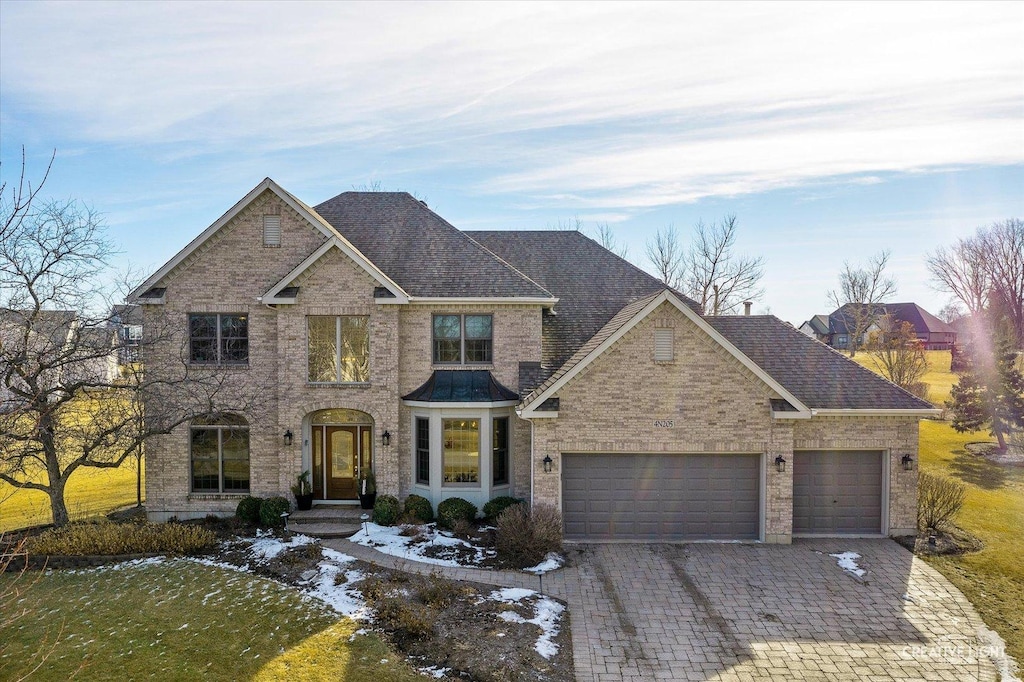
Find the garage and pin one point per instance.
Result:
(837, 492)
(661, 497)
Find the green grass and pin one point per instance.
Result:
(993, 579)
(179, 620)
(938, 377)
(90, 492)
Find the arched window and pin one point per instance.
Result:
(219, 449)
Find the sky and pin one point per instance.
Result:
(832, 131)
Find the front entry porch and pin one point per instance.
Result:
(340, 453)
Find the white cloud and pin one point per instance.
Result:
(612, 105)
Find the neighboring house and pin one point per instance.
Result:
(126, 321)
(533, 364)
(57, 340)
(835, 329)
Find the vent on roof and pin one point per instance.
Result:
(271, 230)
(663, 346)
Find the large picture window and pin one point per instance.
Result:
(460, 461)
(219, 449)
(499, 448)
(218, 339)
(462, 339)
(339, 349)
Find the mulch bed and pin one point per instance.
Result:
(937, 543)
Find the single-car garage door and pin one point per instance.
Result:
(837, 492)
(661, 497)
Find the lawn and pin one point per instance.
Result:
(90, 492)
(180, 620)
(993, 578)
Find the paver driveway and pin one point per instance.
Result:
(759, 612)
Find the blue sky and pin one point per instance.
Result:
(832, 130)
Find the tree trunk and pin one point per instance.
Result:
(1001, 438)
(57, 505)
(138, 479)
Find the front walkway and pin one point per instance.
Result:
(750, 612)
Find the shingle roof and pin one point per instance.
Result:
(591, 283)
(817, 375)
(924, 322)
(462, 386)
(420, 251)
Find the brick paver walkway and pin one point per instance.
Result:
(750, 612)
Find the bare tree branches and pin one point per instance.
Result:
(606, 237)
(709, 271)
(861, 292)
(899, 355)
(668, 256)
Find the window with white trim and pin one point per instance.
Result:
(462, 339)
(271, 230)
(460, 458)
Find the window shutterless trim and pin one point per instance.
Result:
(338, 336)
(463, 337)
(220, 429)
(218, 340)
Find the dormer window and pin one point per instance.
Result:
(462, 339)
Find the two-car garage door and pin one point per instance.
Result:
(661, 497)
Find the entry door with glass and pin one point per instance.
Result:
(340, 455)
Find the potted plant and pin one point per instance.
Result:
(367, 490)
(303, 491)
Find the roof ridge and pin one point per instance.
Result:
(510, 266)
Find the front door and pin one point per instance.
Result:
(340, 455)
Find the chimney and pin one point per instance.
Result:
(746, 307)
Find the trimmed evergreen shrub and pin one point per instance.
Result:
(248, 509)
(454, 508)
(419, 508)
(386, 510)
(271, 510)
(494, 507)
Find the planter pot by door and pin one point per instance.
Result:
(367, 501)
(304, 502)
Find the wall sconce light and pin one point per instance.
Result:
(780, 463)
(908, 463)
(547, 464)
(288, 438)
(385, 438)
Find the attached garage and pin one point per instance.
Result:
(661, 497)
(837, 492)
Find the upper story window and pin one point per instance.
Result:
(462, 339)
(218, 339)
(339, 349)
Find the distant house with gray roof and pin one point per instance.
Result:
(536, 364)
(834, 330)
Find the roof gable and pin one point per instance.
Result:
(299, 207)
(623, 322)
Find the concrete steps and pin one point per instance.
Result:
(328, 521)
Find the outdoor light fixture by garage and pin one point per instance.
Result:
(780, 463)
(547, 464)
(385, 438)
(908, 463)
(288, 438)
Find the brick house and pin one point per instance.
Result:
(533, 364)
(834, 329)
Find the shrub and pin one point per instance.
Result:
(938, 501)
(248, 509)
(494, 507)
(419, 508)
(110, 539)
(271, 510)
(454, 508)
(524, 536)
(386, 510)
(405, 621)
(438, 592)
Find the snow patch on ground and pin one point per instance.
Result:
(265, 546)
(338, 592)
(994, 646)
(434, 671)
(389, 540)
(551, 562)
(848, 562)
(547, 616)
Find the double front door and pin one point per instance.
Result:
(340, 455)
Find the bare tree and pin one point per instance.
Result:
(951, 312)
(606, 237)
(573, 224)
(668, 256)
(961, 271)
(61, 408)
(899, 355)
(716, 277)
(859, 298)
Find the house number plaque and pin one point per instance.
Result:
(664, 423)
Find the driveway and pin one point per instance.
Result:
(768, 612)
